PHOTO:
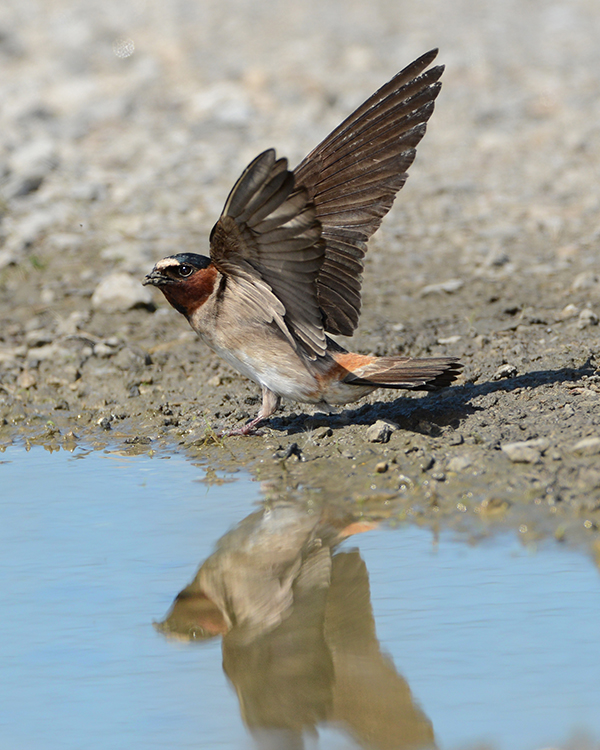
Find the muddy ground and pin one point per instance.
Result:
(122, 128)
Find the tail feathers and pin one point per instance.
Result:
(405, 372)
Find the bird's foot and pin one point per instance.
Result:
(247, 429)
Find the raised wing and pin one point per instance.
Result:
(268, 244)
(353, 176)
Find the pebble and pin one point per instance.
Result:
(381, 467)
(26, 379)
(119, 292)
(587, 318)
(505, 371)
(380, 431)
(570, 311)
(106, 348)
(494, 505)
(459, 463)
(450, 286)
(526, 452)
(37, 337)
(585, 280)
(450, 340)
(589, 446)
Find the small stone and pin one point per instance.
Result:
(456, 439)
(26, 379)
(428, 428)
(119, 292)
(570, 311)
(587, 318)
(450, 340)
(294, 451)
(505, 371)
(459, 463)
(322, 432)
(103, 350)
(381, 467)
(104, 422)
(494, 505)
(380, 431)
(37, 338)
(526, 452)
(585, 280)
(589, 446)
(450, 286)
(426, 462)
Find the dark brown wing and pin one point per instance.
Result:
(268, 243)
(353, 176)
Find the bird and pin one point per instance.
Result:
(285, 268)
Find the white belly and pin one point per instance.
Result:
(294, 382)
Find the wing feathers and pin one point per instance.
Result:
(354, 174)
(268, 240)
(294, 242)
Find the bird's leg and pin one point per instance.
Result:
(270, 404)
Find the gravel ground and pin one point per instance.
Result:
(122, 128)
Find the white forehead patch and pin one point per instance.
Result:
(165, 263)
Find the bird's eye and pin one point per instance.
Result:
(184, 270)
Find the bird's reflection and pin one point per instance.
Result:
(299, 642)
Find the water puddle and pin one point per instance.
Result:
(389, 638)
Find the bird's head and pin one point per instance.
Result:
(186, 280)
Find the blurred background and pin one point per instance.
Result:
(132, 119)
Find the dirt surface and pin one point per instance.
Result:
(123, 127)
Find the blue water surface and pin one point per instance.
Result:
(498, 643)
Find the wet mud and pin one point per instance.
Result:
(113, 158)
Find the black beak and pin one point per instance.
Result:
(156, 278)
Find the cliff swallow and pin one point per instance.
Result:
(286, 256)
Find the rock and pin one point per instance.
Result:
(459, 463)
(381, 467)
(587, 318)
(526, 452)
(570, 311)
(119, 292)
(449, 340)
(37, 337)
(107, 348)
(26, 379)
(585, 280)
(29, 166)
(450, 286)
(505, 371)
(380, 431)
(494, 505)
(589, 446)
